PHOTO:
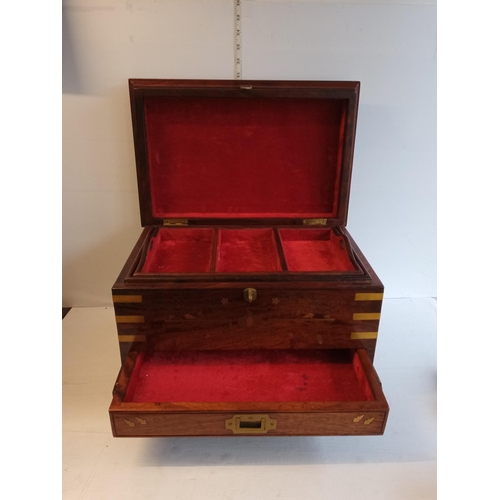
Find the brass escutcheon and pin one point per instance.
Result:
(250, 294)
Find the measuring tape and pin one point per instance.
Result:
(237, 40)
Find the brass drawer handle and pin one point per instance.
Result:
(251, 424)
(250, 294)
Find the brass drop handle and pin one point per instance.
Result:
(251, 424)
(250, 294)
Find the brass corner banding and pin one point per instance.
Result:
(131, 338)
(365, 316)
(364, 335)
(129, 319)
(369, 296)
(127, 298)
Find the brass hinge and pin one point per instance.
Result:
(175, 222)
(314, 222)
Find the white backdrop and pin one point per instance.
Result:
(390, 47)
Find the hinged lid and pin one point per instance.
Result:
(243, 152)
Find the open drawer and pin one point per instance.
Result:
(248, 392)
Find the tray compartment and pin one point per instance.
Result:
(179, 251)
(247, 250)
(315, 250)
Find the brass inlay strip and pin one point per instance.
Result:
(363, 335)
(130, 319)
(127, 298)
(131, 338)
(365, 316)
(369, 296)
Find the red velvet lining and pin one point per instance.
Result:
(315, 250)
(244, 376)
(230, 157)
(180, 251)
(247, 250)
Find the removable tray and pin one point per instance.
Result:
(272, 392)
(225, 252)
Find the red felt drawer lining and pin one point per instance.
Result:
(248, 375)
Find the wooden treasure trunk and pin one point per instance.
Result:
(246, 308)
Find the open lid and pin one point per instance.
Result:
(238, 152)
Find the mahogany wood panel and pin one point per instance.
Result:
(222, 319)
(334, 306)
(354, 423)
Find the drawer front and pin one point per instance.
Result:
(352, 423)
(227, 319)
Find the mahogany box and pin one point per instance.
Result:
(246, 308)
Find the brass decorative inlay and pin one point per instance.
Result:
(129, 422)
(127, 298)
(368, 421)
(369, 296)
(250, 294)
(365, 316)
(140, 420)
(224, 302)
(314, 222)
(251, 424)
(275, 301)
(175, 222)
(130, 319)
(363, 335)
(131, 338)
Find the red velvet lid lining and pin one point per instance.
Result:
(213, 157)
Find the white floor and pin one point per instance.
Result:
(399, 465)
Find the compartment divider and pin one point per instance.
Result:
(215, 249)
(279, 247)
